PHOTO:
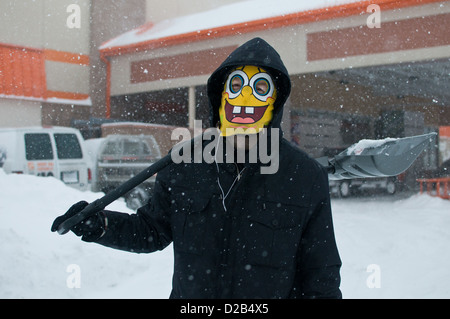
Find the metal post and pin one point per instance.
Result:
(191, 98)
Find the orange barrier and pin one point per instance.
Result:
(439, 187)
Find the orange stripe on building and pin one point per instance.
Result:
(22, 71)
(42, 75)
(108, 85)
(27, 80)
(264, 24)
(444, 131)
(66, 57)
(66, 95)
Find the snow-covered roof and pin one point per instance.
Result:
(227, 15)
(87, 101)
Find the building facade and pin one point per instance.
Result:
(44, 61)
(359, 69)
(50, 67)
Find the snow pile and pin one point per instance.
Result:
(37, 263)
(403, 243)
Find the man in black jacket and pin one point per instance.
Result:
(237, 232)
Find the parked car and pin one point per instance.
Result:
(120, 157)
(348, 187)
(45, 151)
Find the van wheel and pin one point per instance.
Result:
(344, 189)
(138, 197)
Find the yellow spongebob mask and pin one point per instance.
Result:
(247, 101)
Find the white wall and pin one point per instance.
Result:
(19, 113)
(43, 24)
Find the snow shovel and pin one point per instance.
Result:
(367, 158)
(378, 158)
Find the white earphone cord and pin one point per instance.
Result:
(224, 196)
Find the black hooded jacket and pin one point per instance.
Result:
(238, 233)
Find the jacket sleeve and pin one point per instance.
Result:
(319, 262)
(146, 231)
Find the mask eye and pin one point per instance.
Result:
(262, 86)
(235, 82)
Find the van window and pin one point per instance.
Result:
(38, 146)
(67, 146)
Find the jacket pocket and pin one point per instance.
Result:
(189, 222)
(274, 233)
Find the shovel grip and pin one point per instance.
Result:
(88, 211)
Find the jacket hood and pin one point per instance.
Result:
(255, 52)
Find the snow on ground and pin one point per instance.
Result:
(404, 241)
(36, 263)
(397, 246)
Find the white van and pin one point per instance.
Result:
(42, 151)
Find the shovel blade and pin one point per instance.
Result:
(379, 158)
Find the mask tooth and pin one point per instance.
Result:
(236, 110)
(249, 110)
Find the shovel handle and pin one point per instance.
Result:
(124, 188)
(110, 197)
